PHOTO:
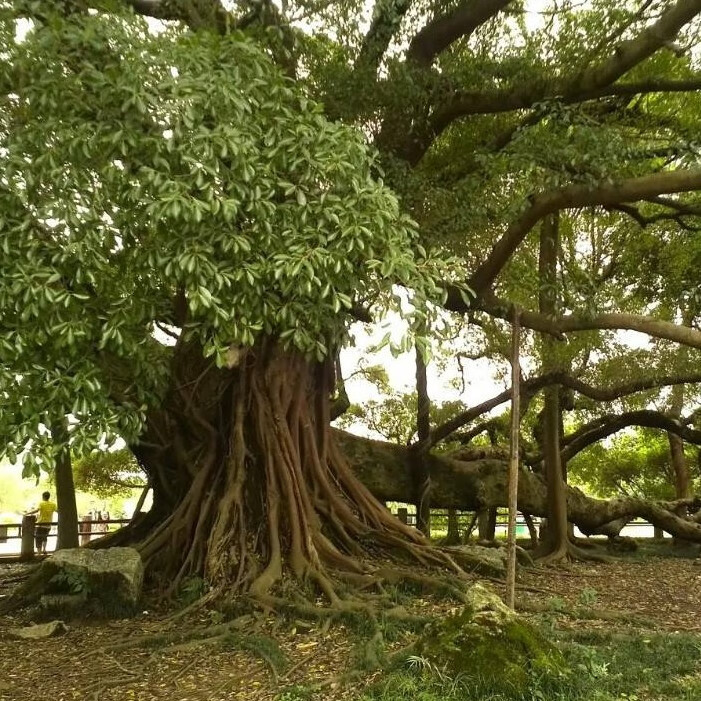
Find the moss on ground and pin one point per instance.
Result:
(488, 641)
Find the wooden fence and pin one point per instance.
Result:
(25, 532)
(439, 520)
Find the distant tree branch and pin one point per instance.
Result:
(612, 423)
(534, 384)
(647, 220)
(441, 32)
(592, 82)
(465, 104)
(569, 323)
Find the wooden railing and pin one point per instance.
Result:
(26, 532)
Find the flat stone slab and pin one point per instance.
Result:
(38, 632)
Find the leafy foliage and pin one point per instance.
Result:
(394, 416)
(172, 180)
(636, 463)
(108, 474)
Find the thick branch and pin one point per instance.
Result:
(208, 14)
(557, 326)
(573, 196)
(437, 35)
(644, 220)
(630, 53)
(465, 104)
(158, 9)
(387, 16)
(480, 484)
(593, 82)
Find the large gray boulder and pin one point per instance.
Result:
(113, 573)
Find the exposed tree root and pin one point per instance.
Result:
(566, 552)
(586, 613)
(272, 505)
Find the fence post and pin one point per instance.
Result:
(403, 514)
(28, 524)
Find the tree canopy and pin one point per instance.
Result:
(176, 182)
(195, 210)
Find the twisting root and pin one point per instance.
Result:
(568, 552)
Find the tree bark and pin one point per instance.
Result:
(453, 536)
(513, 463)
(423, 428)
(487, 524)
(676, 444)
(249, 483)
(532, 531)
(65, 489)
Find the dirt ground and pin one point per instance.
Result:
(656, 592)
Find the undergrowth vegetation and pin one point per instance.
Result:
(605, 666)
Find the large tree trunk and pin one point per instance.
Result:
(249, 482)
(487, 524)
(681, 469)
(479, 484)
(453, 535)
(676, 450)
(682, 481)
(65, 489)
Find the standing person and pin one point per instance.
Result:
(101, 526)
(46, 511)
(86, 528)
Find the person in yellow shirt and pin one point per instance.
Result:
(46, 514)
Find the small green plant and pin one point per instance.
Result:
(191, 589)
(298, 692)
(72, 580)
(588, 597)
(416, 663)
(556, 604)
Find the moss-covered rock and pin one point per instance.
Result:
(79, 582)
(488, 641)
